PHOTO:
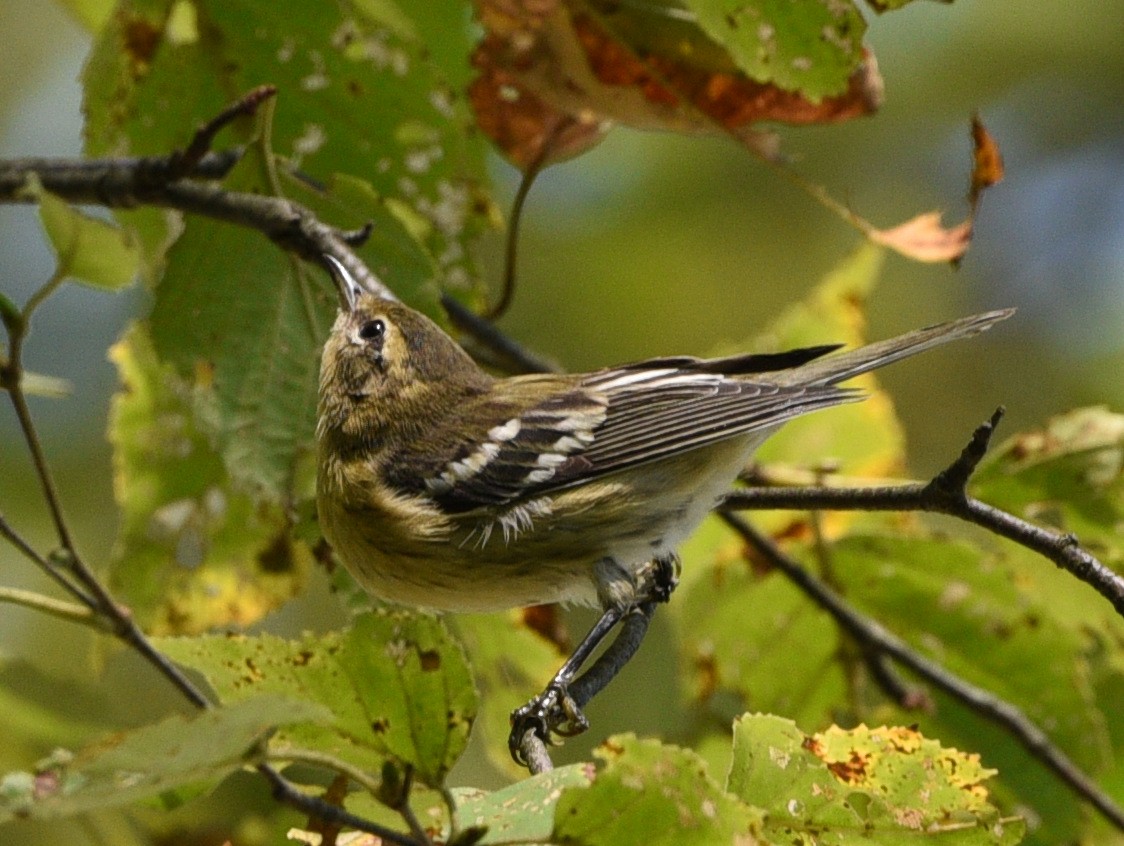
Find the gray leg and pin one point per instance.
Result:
(558, 709)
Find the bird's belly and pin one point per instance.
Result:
(468, 568)
(546, 550)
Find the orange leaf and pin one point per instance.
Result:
(552, 78)
(527, 129)
(924, 238)
(987, 162)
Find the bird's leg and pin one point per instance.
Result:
(558, 709)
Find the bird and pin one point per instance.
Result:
(443, 487)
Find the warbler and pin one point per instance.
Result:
(443, 487)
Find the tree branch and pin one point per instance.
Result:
(945, 494)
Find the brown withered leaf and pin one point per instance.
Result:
(554, 74)
(527, 129)
(987, 162)
(723, 94)
(924, 238)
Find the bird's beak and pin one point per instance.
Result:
(346, 285)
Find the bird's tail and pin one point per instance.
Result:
(833, 369)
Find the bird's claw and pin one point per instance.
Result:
(552, 712)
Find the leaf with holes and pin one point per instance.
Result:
(192, 553)
(130, 766)
(864, 786)
(650, 793)
(396, 683)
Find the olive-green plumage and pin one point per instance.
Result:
(443, 487)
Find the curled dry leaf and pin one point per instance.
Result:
(529, 130)
(923, 238)
(987, 162)
(553, 75)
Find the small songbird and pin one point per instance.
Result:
(443, 487)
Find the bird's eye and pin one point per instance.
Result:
(372, 330)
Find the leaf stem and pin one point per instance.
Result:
(69, 611)
(283, 752)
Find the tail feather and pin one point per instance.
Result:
(833, 369)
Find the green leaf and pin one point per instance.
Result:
(246, 322)
(812, 46)
(510, 663)
(359, 95)
(963, 607)
(864, 786)
(130, 766)
(396, 683)
(736, 661)
(362, 110)
(92, 14)
(90, 250)
(974, 615)
(1068, 475)
(652, 794)
(192, 553)
(522, 812)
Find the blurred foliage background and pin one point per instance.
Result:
(656, 244)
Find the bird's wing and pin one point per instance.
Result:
(611, 421)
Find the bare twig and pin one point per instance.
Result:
(286, 792)
(511, 355)
(511, 243)
(285, 752)
(946, 494)
(983, 702)
(125, 183)
(401, 804)
(533, 749)
(45, 563)
(182, 163)
(72, 612)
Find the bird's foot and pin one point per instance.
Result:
(552, 712)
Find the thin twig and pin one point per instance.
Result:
(512, 356)
(402, 806)
(983, 702)
(182, 163)
(946, 494)
(45, 563)
(511, 244)
(72, 612)
(286, 792)
(535, 753)
(13, 381)
(126, 183)
(286, 752)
